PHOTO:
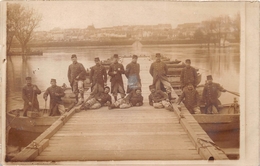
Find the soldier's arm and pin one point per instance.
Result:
(165, 68)
(220, 88)
(195, 75)
(122, 70)
(182, 77)
(165, 96)
(104, 75)
(61, 92)
(69, 73)
(127, 70)
(38, 91)
(197, 99)
(46, 93)
(151, 70)
(204, 94)
(181, 98)
(110, 71)
(91, 74)
(83, 72)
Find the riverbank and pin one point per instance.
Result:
(118, 43)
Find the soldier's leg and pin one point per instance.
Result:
(121, 91)
(124, 105)
(81, 90)
(216, 106)
(95, 106)
(167, 105)
(75, 90)
(88, 104)
(158, 105)
(197, 110)
(169, 88)
(115, 90)
(61, 108)
(158, 85)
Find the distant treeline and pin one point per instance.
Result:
(112, 43)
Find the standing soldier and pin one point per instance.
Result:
(98, 77)
(115, 71)
(210, 94)
(158, 70)
(76, 76)
(132, 73)
(191, 99)
(29, 95)
(55, 93)
(188, 75)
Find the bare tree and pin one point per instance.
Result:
(23, 20)
(236, 26)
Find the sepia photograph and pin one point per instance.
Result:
(123, 81)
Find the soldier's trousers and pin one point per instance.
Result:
(162, 104)
(92, 104)
(120, 89)
(209, 107)
(167, 86)
(78, 88)
(97, 88)
(120, 104)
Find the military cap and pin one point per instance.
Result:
(97, 59)
(151, 87)
(53, 80)
(73, 56)
(187, 60)
(158, 55)
(28, 78)
(134, 56)
(209, 77)
(115, 55)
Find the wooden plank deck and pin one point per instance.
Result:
(120, 135)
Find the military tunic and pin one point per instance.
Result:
(190, 99)
(134, 98)
(158, 71)
(132, 73)
(55, 99)
(29, 95)
(98, 77)
(116, 79)
(188, 75)
(210, 94)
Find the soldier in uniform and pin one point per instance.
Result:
(132, 73)
(98, 100)
(188, 75)
(29, 95)
(158, 71)
(98, 77)
(115, 71)
(55, 92)
(76, 76)
(191, 99)
(210, 94)
(159, 99)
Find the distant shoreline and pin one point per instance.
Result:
(119, 43)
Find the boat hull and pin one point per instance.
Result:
(37, 125)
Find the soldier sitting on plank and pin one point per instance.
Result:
(97, 100)
(191, 99)
(134, 98)
(210, 94)
(159, 99)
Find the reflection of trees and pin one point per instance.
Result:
(21, 22)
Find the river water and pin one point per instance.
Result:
(222, 63)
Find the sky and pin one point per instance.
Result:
(80, 14)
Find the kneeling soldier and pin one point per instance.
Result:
(190, 98)
(98, 100)
(55, 93)
(159, 99)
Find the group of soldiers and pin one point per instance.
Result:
(162, 94)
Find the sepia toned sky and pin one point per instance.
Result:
(80, 14)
